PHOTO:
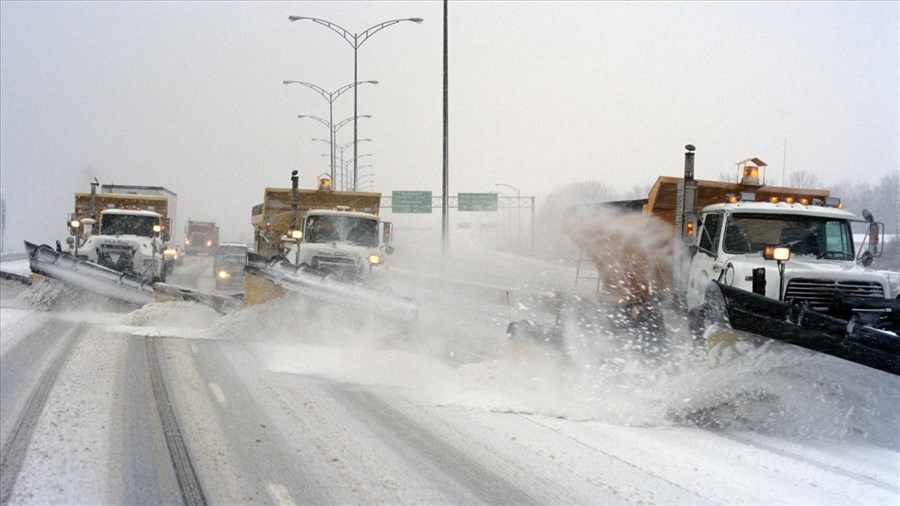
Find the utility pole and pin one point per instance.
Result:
(445, 206)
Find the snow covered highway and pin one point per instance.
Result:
(276, 404)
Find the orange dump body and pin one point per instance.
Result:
(632, 243)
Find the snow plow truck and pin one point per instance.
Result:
(118, 247)
(125, 230)
(200, 237)
(325, 244)
(738, 260)
(328, 246)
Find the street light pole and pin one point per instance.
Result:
(333, 129)
(518, 211)
(355, 40)
(344, 148)
(331, 97)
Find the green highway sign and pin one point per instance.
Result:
(477, 202)
(411, 201)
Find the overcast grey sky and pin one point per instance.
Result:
(189, 96)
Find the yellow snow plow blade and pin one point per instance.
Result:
(258, 289)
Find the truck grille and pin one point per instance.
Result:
(336, 265)
(821, 292)
(119, 258)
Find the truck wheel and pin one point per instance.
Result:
(710, 329)
(701, 319)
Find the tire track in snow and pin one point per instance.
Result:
(12, 456)
(824, 466)
(191, 491)
(428, 451)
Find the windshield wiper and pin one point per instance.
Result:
(838, 255)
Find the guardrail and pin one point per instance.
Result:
(12, 257)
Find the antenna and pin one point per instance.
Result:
(784, 163)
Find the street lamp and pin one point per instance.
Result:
(341, 163)
(333, 129)
(355, 40)
(354, 161)
(328, 124)
(366, 180)
(344, 148)
(331, 97)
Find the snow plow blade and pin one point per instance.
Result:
(46, 261)
(18, 278)
(318, 285)
(799, 325)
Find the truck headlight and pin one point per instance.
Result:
(224, 275)
(375, 259)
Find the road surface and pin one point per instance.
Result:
(290, 403)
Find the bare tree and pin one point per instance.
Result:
(803, 179)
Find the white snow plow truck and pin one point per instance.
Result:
(768, 261)
(116, 245)
(326, 244)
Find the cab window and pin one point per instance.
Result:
(709, 235)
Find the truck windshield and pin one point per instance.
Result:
(128, 224)
(348, 229)
(806, 235)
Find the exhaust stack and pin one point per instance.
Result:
(685, 227)
(294, 185)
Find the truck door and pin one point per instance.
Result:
(703, 265)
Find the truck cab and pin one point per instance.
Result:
(127, 240)
(351, 245)
(736, 241)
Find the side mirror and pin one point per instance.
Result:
(388, 235)
(876, 232)
(866, 258)
(389, 250)
(70, 241)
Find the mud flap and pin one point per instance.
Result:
(801, 326)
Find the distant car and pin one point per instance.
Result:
(230, 272)
(228, 248)
(228, 264)
(173, 256)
